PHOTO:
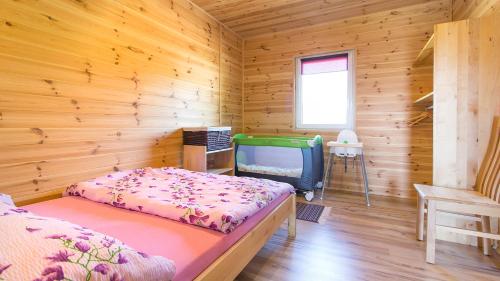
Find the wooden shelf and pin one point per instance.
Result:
(197, 158)
(220, 171)
(426, 100)
(220, 150)
(426, 55)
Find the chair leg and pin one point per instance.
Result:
(420, 218)
(365, 179)
(430, 251)
(331, 168)
(326, 175)
(485, 227)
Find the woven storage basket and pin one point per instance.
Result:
(214, 138)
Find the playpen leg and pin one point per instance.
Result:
(365, 179)
(326, 176)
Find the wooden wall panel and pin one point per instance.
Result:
(464, 9)
(89, 87)
(386, 45)
(231, 80)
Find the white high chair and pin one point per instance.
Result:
(346, 137)
(346, 146)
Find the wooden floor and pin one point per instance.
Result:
(359, 243)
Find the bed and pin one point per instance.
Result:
(199, 253)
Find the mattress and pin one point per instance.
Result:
(192, 248)
(267, 170)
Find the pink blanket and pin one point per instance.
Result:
(217, 202)
(41, 248)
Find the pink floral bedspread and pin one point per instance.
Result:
(216, 202)
(42, 249)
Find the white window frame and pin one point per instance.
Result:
(351, 111)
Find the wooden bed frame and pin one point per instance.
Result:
(234, 260)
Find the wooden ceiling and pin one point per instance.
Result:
(253, 17)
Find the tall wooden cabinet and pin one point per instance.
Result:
(466, 97)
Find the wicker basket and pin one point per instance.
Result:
(214, 138)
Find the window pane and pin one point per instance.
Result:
(325, 98)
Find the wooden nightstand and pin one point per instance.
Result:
(197, 158)
(208, 149)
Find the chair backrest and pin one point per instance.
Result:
(488, 178)
(347, 136)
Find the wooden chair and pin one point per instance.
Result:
(484, 202)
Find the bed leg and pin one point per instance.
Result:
(292, 228)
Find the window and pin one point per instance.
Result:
(324, 87)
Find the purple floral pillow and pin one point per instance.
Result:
(48, 249)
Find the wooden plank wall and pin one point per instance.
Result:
(386, 45)
(231, 69)
(90, 87)
(464, 9)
